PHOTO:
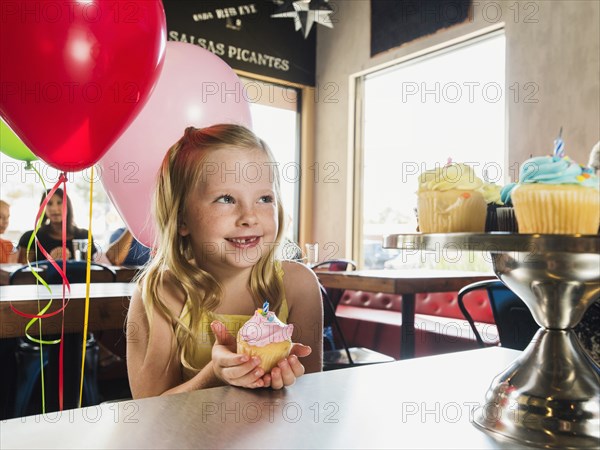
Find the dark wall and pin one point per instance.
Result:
(395, 22)
(244, 35)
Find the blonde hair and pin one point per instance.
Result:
(181, 169)
(3, 203)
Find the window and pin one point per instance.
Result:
(417, 114)
(275, 119)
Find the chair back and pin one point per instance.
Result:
(516, 326)
(24, 275)
(335, 265)
(75, 273)
(333, 295)
(334, 358)
(513, 319)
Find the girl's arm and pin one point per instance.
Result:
(306, 313)
(117, 251)
(153, 363)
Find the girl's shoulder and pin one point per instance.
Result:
(168, 290)
(296, 273)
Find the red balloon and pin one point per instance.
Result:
(74, 75)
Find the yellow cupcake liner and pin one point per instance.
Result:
(269, 355)
(556, 209)
(451, 211)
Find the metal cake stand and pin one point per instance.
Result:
(550, 395)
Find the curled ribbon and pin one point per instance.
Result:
(42, 313)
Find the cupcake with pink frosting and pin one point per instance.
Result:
(265, 336)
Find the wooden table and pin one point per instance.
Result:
(406, 283)
(418, 403)
(109, 303)
(5, 270)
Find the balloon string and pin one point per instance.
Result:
(39, 218)
(32, 321)
(41, 311)
(40, 315)
(65, 285)
(87, 288)
(38, 223)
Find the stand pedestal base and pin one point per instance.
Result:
(548, 397)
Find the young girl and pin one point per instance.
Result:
(219, 221)
(50, 233)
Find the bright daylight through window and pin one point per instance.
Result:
(419, 114)
(275, 119)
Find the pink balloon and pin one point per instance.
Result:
(195, 88)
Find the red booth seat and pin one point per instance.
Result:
(373, 319)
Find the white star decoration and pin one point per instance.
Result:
(305, 13)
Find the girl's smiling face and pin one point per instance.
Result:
(230, 215)
(54, 209)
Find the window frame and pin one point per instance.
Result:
(354, 199)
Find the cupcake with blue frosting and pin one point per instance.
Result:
(555, 195)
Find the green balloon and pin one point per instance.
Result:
(11, 145)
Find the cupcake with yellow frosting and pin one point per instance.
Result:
(265, 336)
(556, 196)
(450, 199)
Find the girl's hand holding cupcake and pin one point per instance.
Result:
(244, 370)
(232, 368)
(288, 369)
(266, 337)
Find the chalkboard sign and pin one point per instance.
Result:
(244, 35)
(396, 22)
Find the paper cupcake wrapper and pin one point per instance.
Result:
(491, 218)
(451, 211)
(507, 221)
(550, 209)
(269, 355)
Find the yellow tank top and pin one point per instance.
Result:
(202, 352)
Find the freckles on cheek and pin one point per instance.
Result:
(207, 220)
